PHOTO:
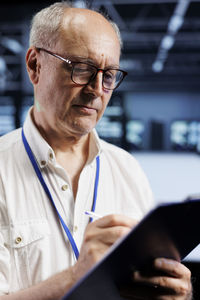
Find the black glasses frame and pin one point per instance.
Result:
(73, 63)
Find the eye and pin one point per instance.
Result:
(110, 76)
(82, 68)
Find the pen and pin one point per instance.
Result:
(92, 214)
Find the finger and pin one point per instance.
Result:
(115, 220)
(111, 235)
(172, 285)
(172, 267)
(106, 235)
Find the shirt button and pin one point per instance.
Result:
(43, 162)
(75, 228)
(18, 240)
(64, 187)
(51, 156)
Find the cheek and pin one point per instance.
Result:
(52, 77)
(46, 88)
(67, 93)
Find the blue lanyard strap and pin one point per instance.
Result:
(96, 185)
(40, 177)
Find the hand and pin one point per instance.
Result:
(99, 236)
(171, 281)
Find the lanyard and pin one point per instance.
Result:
(43, 183)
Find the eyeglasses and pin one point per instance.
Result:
(83, 73)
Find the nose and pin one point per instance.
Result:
(95, 85)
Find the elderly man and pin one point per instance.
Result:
(56, 167)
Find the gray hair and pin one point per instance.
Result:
(45, 25)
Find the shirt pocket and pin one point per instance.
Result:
(29, 242)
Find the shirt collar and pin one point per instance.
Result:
(94, 146)
(43, 152)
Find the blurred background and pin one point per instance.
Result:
(155, 114)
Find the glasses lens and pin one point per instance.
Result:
(82, 73)
(112, 79)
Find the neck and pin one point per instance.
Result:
(63, 143)
(71, 151)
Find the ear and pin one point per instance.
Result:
(33, 64)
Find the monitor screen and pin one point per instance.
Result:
(185, 134)
(7, 118)
(110, 127)
(135, 134)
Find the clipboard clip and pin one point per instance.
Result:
(193, 197)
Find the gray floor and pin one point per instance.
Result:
(173, 177)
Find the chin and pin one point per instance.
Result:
(83, 129)
(76, 127)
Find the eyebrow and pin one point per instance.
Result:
(90, 61)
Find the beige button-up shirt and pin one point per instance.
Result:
(33, 244)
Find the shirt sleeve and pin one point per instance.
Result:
(4, 250)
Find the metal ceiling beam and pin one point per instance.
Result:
(115, 15)
(140, 18)
(124, 2)
(156, 37)
(160, 23)
(167, 42)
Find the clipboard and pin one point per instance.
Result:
(170, 230)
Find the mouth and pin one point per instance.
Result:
(84, 109)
